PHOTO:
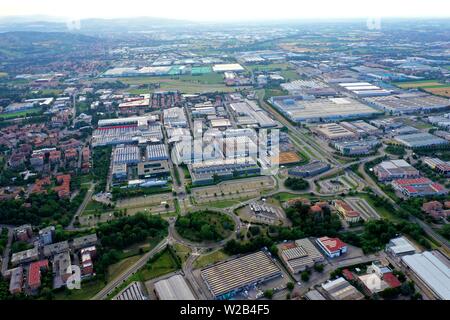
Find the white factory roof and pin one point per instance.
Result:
(401, 245)
(173, 288)
(227, 67)
(432, 270)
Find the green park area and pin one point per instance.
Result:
(20, 114)
(210, 258)
(204, 226)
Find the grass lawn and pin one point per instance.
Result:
(381, 210)
(185, 83)
(19, 114)
(182, 251)
(210, 258)
(223, 204)
(163, 265)
(87, 291)
(205, 226)
(119, 267)
(50, 92)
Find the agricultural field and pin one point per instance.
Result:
(418, 84)
(3, 74)
(443, 91)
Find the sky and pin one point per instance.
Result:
(226, 10)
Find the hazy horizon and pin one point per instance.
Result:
(232, 10)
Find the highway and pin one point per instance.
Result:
(111, 286)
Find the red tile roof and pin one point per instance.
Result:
(332, 244)
(34, 273)
(391, 280)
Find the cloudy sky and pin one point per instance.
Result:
(227, 10)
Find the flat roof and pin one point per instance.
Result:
(237, 273)
(173, 288)
(432, 269)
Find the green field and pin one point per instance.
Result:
(161, 266)
(223, 203)
(19, 114)
(210, 82)
(210, 258)
(87, 291)
(418, 84)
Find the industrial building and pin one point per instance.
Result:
(126, 154)
(155, 152)
(400, 246)
(356, 148)
(341, 289)
(234, 67)
(438, 165)
(309, 170)
(309, 87)
(249, 114)
(299, 255)
(226, 279)
(421, 140)
(406, 103)
(153, 169)
(173, 288)
(175, 118)
(204, 172)
(395, 169)
(333, 247)
(433, 270)
(334, 132)
(419, 187)
(132, 292)
(364, 89)
(298, 109)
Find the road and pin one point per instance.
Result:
(83, 205)
(111, 286)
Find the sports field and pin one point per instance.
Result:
(19, 114)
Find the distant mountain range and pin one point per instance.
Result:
(55, 24)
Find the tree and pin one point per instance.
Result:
(305, 276)
(268, 294)
(318, 267)
(290, 286)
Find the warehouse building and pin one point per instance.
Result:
(334, 132)
(399, 247)
(364, 89)
(355, 148)
(309, 170)
(299, 255)
(438, 165)
(157, 152)
(234, 67)
(175, 118)
(298, 109)
(120, 172)
(173, 288)
(226, 279)
(333, 247)
(433, 270)
(204, 172)
(126, 155)
(248, 113)
(341, 289)
(419, 187)
(421, 140)
(395, 169)
(309, 87)
(153, 169)
(132, 292)
(409, 103)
